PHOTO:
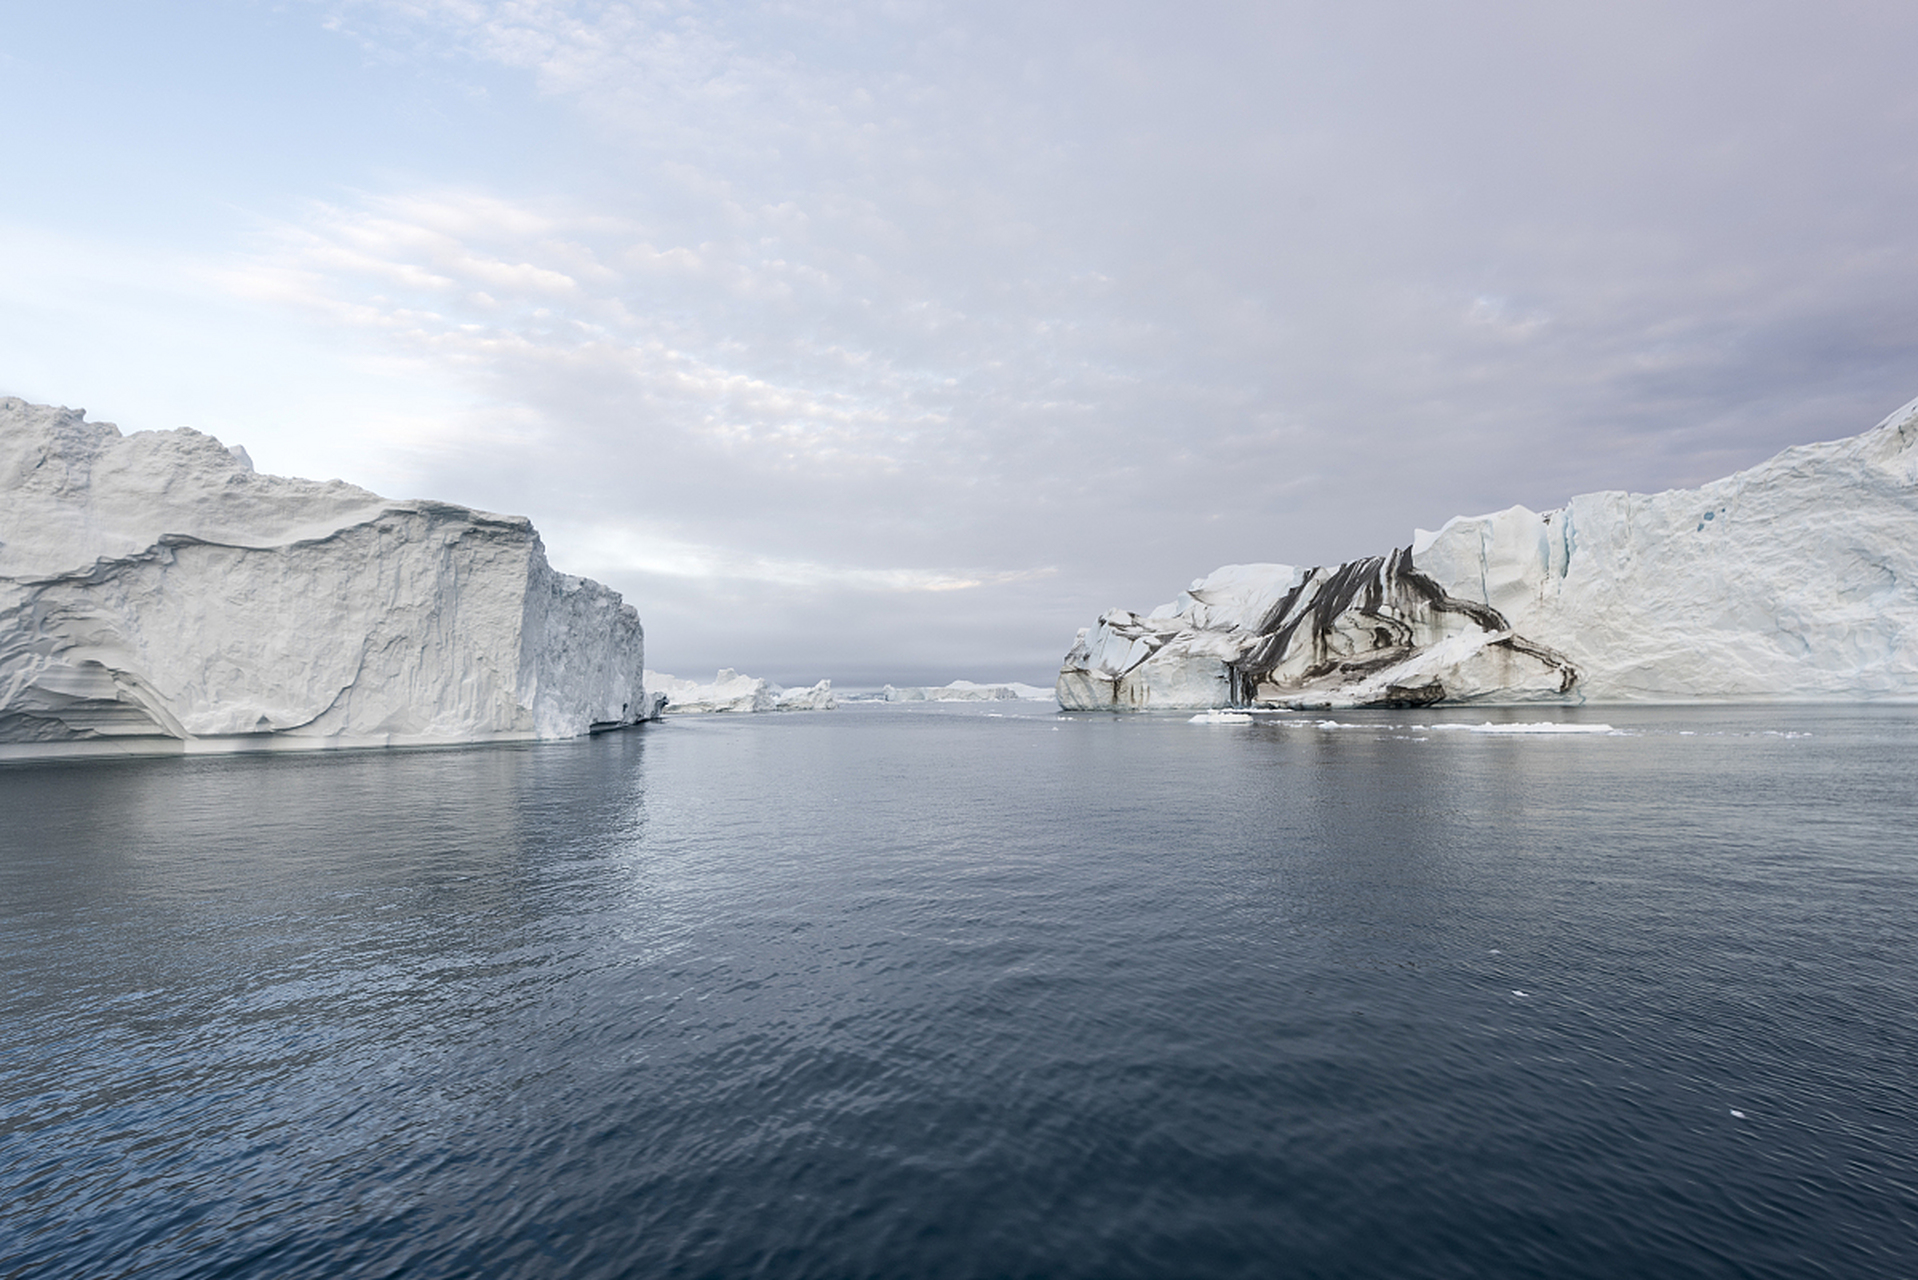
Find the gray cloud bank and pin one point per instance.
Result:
(894, 341)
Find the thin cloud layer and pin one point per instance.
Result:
(900, 339)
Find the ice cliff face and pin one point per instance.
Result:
(156, 593)
(1795, 579)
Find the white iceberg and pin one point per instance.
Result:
(966, 691)
(814, 697)
(157, 594)
(1795, 579)
(729, 691)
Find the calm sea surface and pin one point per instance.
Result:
(932, 991)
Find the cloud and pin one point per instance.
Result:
(612, 549)
(788, 296)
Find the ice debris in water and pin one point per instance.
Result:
(1221, 717)
(1737, 1114)
(1543, 726)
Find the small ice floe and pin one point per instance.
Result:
(1737, 1114)
(1497, 952)
(1221, 717)
(1522, 995)
(1542, 726)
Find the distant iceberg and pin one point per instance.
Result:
(157, 595)
(1795, 579)
(729, 691)
(965, 691)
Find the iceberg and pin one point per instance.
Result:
(1795, 579)
(157, 594)
(965, 691)
(730, 691)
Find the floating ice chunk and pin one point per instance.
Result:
(1521, 995)
(1221, 717)
(1737, 1114)
(817, 697)
(1544, 726)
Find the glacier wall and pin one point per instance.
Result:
(1797, 579)
(157, 594)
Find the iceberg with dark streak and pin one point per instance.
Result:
(159, 595)
(1796, 579)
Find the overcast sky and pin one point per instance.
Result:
(895, 341)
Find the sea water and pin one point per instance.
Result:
(977, 990)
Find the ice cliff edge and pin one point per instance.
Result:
(1797, 579)
(157, 594)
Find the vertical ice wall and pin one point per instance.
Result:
(158, 594)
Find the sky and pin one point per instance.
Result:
(895, 341)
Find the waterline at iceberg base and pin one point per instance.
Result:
(1796, 579)
(158, 595)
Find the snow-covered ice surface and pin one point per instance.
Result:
(158, 595)
(730, 691)
(1796, 579)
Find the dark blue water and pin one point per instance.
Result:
(932, 992)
